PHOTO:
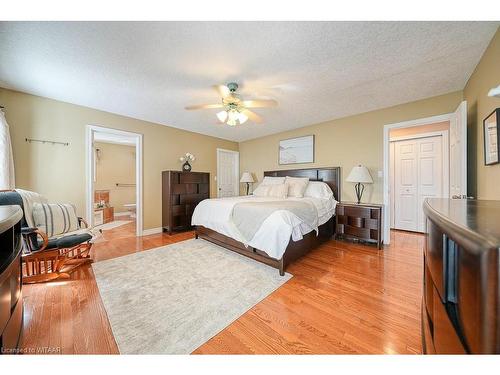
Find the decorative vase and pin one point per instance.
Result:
(186, 167)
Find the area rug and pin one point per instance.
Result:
(172, 299)
(112, 224)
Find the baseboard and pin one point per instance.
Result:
(147, 232)
(126, 213)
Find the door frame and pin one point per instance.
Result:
(89, 172)
(445, 146)
(236, 167)
(386, 161)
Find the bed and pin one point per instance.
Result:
(258, 248)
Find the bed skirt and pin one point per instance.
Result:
(294, 250)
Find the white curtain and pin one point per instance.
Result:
(7, 181)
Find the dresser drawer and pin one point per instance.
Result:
(357, 212)
(184, 189)
(192, 198)
(193, 178)
(178, 210)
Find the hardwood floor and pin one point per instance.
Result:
(343, 298)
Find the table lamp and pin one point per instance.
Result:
(248, 179)
(360, 175)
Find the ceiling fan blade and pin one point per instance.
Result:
(204, 106)
(223, 90)
(259, 103)
(252, 116)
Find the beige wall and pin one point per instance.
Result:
(116, 164)
(403, 132)
(346, 142)
(58, 172)
(483, 180)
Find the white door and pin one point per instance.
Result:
(405, 185)
(430, 174)
(228, 170)
(458, 152)
(419, 173)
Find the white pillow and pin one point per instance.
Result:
(296, 186)
(55, 219)
(273, 180)
(261, 190)
(272, 191)
(318, 189)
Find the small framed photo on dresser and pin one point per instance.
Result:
(492, 138)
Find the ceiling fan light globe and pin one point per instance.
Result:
(233, 117)
(222, 116)
(242, 118)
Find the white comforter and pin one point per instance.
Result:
(275, 232)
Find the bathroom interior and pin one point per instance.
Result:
(114, 183)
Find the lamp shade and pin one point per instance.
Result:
(360, 174)
(246, 177)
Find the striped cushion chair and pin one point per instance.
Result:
(56, 240)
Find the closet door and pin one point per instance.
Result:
(418, 174)
(406, 184)
(430, 174)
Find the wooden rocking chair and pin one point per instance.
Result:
(49, 259)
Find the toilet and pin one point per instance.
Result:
(130, 208)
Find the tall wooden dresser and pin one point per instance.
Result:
(181, 192)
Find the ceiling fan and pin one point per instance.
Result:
(235, 109)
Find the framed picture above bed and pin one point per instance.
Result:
(296, 150)
(492, 138)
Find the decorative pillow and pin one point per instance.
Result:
(273, 180)
(318, 189)
(55, 219)
(272, 191)
(261, 190)
(277, 191)
(296, 186)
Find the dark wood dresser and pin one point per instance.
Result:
(461, 302)
(11, 302)
(181, 192)
(361, 222)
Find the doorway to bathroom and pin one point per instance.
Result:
(114, 181)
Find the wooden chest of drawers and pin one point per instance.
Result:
(181, 192)
(360, 221)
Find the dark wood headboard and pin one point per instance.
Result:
(331, 176)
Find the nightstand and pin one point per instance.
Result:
(361, 222)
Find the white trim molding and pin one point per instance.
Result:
(386, 162)
(148, 232)
(89, 171)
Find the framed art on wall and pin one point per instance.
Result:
(491, 138)
(297, 150)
